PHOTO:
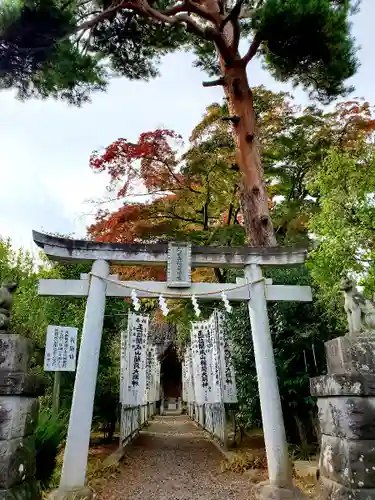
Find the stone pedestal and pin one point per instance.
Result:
(18, 418)
(265, 491)
(346, 404)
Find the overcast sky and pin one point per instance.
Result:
(45, 145)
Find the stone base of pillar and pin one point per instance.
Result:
(19, 406)
(28, 490)
(73, 494)
(265, 491)
(346, 405)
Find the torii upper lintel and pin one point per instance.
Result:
(68, 250)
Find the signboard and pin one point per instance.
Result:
(179, 265)
(61, 349)
(134, 383)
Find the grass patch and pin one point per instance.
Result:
(243, 461)
(97, 473)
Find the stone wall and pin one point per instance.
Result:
(346, 404)
(18, 418)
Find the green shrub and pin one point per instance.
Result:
(49, 434)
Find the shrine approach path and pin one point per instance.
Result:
(172, 460)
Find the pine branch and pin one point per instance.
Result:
(215, 36)
(214, 83)
(236, 36)
(252, 49)
(233, 14)
(100, 17)
(190, 6)
(176, 9)
(233, 19)
(145, 10)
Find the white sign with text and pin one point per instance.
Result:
(61, 349)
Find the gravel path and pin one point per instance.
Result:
(172, 460)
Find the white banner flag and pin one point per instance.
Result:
(201, 361)
(134, 390)
(152, 373)
(191, 394)
(157, 378)
(189, 379)
(216, 395)
(227, 368)
(195, 358)
(184, 379)
(124, 364)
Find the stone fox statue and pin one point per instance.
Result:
(6, 301)
(360, 311)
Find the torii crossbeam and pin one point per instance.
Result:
(99, 285)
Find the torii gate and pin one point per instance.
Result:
(100, 284)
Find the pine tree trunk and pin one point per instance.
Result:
(253, 195)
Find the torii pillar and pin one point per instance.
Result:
(256, 291)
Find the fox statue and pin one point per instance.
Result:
(359, 310)
(6, 301)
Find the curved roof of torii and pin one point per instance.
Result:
(67, 250)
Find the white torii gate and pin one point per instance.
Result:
(99, 285)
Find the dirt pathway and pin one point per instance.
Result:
(172, 460)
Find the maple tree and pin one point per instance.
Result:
(67, 49)
(194, 195)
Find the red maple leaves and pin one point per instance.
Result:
(149, 163)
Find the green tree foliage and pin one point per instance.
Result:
(32, 314)
(108, 383)
(345, 223)
(299, 331)
(308, 43)
(68, 49)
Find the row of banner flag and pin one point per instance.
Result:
(140, 366)
(207, 369)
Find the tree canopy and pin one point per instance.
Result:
(194, 195)
(345, 223)
(66, 49)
